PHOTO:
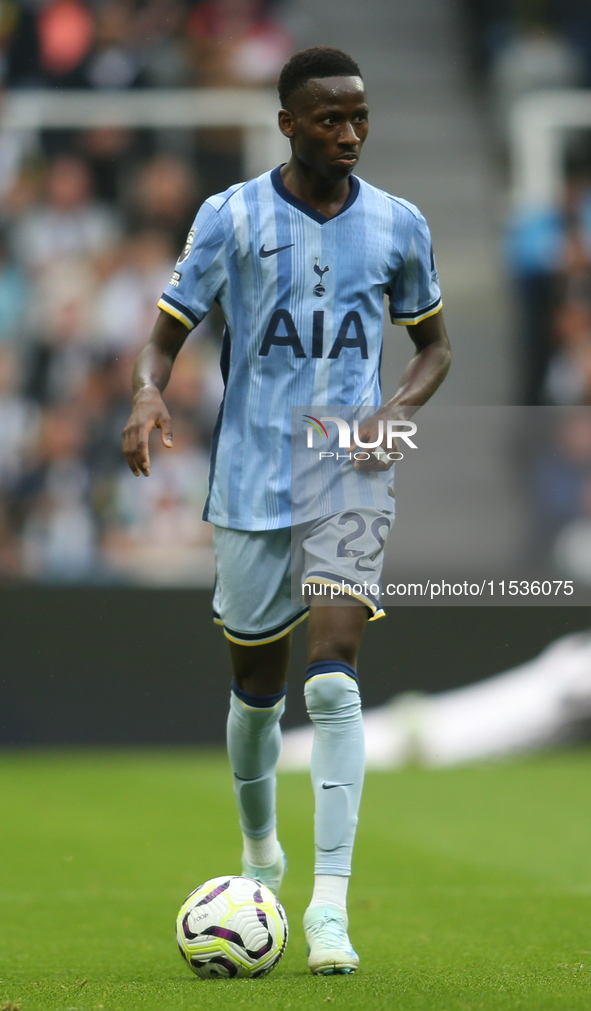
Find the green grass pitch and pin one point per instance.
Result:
(472, 887)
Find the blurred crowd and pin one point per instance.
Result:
(520, 47)
(552, 457)
(91, 224)
(140, 43)
(549, 254)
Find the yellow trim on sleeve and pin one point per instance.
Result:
(413, 322)
(175, 312)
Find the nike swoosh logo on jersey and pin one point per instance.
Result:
(331, 786)
(270, 252)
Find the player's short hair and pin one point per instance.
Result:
(316, 62)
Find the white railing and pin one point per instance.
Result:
(253, 110)
(539, 126)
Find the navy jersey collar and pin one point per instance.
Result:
(301, 205)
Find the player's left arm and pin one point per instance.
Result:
(423, 375)
(426, 370)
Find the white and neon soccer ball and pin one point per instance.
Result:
(231, 927)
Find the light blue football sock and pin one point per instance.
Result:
(254, 742)
(338, 760)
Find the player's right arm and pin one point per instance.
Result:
(198, 276)
(150, 376)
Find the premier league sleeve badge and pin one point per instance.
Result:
(187, 247)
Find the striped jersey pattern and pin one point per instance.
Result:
(302, 297)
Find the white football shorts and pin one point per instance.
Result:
(260, 573)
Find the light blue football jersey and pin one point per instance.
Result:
(302, 296)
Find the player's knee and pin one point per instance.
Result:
(331, 693)
(336, 637)
(345, 651)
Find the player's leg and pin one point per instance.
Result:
(257, 703)
(337, 767)
(253, 602)
(342, 560)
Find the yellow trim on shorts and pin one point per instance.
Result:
(263, 641)
(376, 612)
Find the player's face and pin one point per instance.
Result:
(328, 125)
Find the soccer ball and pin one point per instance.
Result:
(231, 927)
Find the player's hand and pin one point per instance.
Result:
(378, 460)
(149, 412)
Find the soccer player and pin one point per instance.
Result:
(299, 260)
